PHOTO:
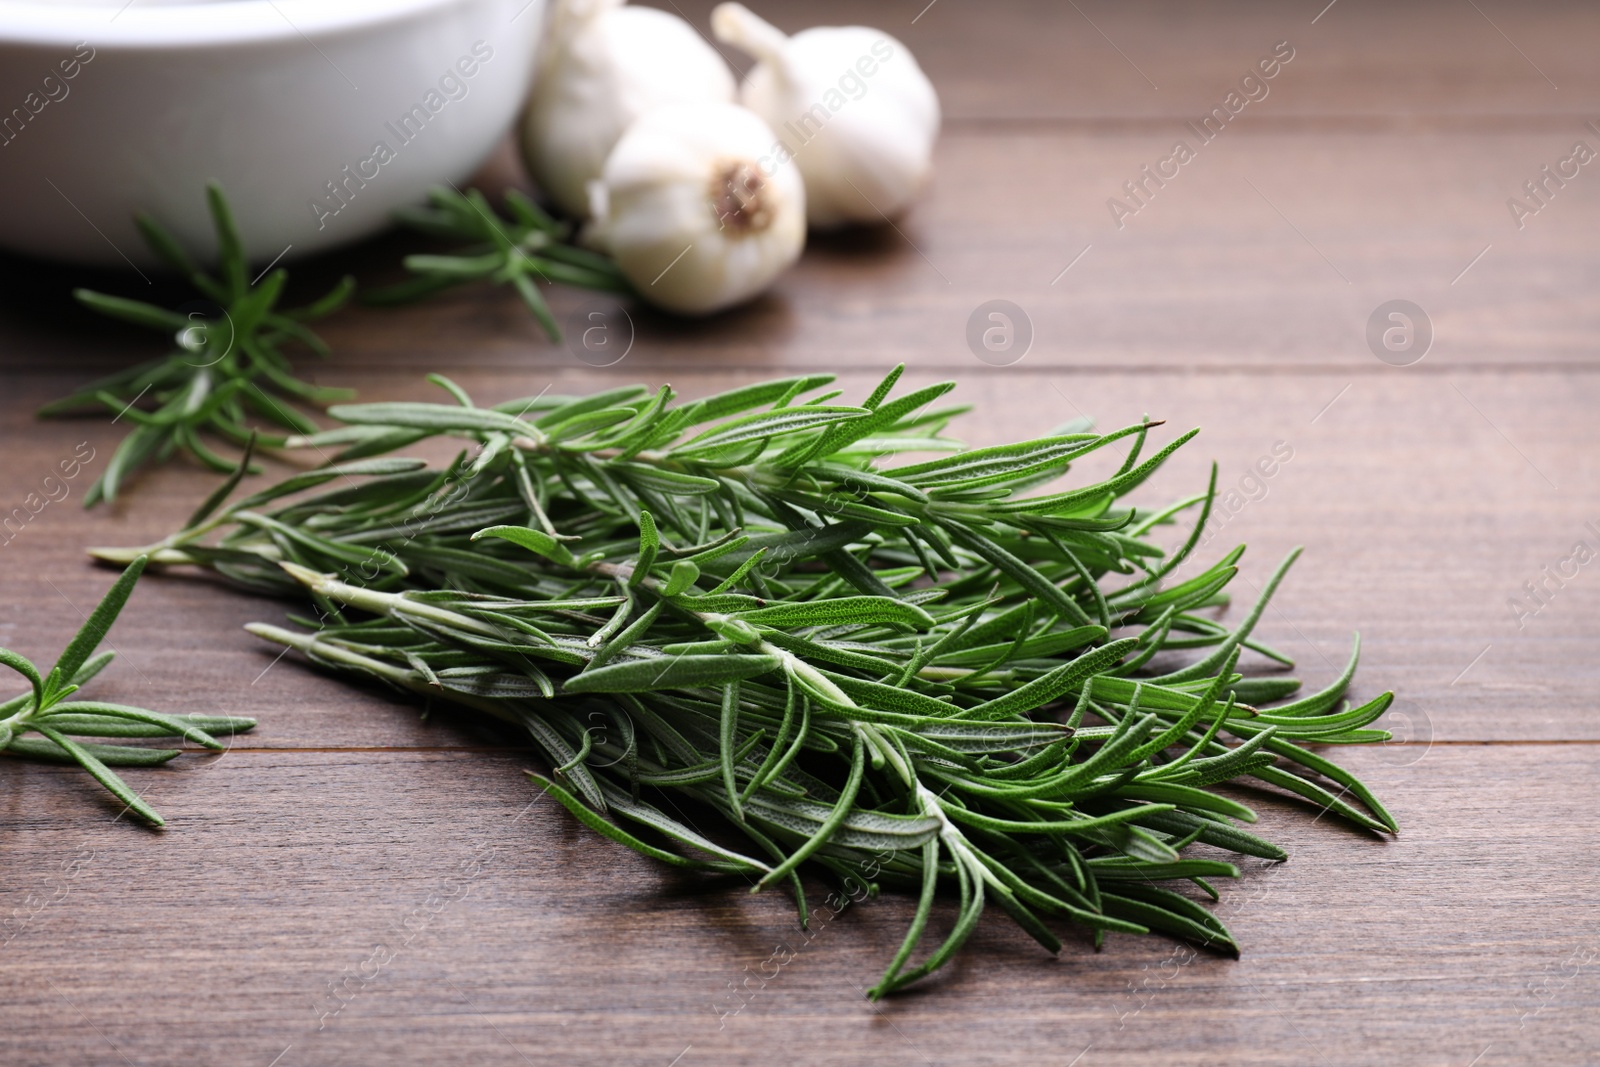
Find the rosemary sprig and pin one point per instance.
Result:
(520, 250)
(46, 710)
(728, 618)
(225, 367)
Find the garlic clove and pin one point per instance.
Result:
(605, 64)
(697, 211)
(852, 106)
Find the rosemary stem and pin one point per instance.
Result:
(379, 603)
(329, 651)
(804, 673)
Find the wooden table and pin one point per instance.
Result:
(348, 856)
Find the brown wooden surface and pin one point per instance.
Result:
(1426, 497)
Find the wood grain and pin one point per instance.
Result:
(1093, 59)
(517, 937)
(1269, 251)
(1236, 301)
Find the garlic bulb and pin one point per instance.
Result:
(694, 210)
(604, 66)
(848, 103)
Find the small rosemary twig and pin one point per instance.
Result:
(46, 710)
(226, 367)
(525, 249)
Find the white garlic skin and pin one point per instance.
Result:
(852, 105)
(606, 64)
(693, 209)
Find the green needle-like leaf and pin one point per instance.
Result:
(96, 626)
(671, 672)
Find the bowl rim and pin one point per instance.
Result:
(134, 27)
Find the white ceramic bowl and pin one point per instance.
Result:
(110, 107)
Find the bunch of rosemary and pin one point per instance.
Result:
(730, 618)
(226, 367)
(46, 710)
